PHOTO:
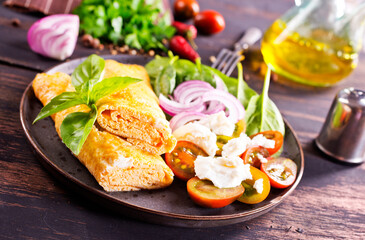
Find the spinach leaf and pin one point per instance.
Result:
(165, 81)
(110, 85)
(244, 92)
(76, 127)
(61, 102)
(88, 73)
(155, 66)
(262, 114)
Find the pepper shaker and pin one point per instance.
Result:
(343, 133)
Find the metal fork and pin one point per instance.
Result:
(227, 59)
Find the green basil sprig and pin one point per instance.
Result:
(90, 86)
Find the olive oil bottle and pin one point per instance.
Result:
(319, 59)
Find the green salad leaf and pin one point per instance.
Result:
(90, 87)
(137, 23)
(261, 113)
(61, 102)
(76, 127)
(87, 74)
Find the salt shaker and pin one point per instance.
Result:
(343, 133)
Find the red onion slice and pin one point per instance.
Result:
(172, 108)
(219, 84)
(235, 108)
(191, 85)
(183, 118)
(54, 36)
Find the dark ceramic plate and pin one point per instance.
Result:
(169, 206)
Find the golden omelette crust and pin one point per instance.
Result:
(102, 151)
(133, 112)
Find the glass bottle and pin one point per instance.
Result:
(316, 42)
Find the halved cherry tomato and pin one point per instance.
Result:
(253, 154)
(273, 135)
(251, 196)
(205, 194)
(209, 22)
(282, 172)
(181, 159)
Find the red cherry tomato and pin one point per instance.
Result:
(205, 194)
(273, 135)
(282, 172)
(185, 9)
(181, 159)
(209, 22)
(253, 154)
(251, 195)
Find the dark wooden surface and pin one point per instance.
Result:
(329, 203)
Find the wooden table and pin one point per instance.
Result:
(329, 203)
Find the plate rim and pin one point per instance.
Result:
(179, 216)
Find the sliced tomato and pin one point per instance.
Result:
(251, 195)
(282, 172)
(254, 154)
(272, 135)
(181, 159)
(205, 194)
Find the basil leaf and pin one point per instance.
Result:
(165, 81)
(76, 127)
(61, 102)
(110, 85)
(88, 73)
(244, 92)
(262, 114)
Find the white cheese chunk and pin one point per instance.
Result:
(223, 172)
(261, 158)
(219, 124)
(262, 141)
(236, 146)
(259, 185)
(199, 135)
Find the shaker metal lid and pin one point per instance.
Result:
(343, 133)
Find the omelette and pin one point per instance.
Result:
(123, 148)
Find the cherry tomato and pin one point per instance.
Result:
(273, 135)
(253, 154)
(209, 22)
(281, 172)
(251, 196)
(185, 9)
(181, 159)
(205, 194)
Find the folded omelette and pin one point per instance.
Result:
(122, 150)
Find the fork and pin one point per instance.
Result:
(227, 59)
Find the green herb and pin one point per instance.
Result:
(261, 113)
(90, 86)
(135, 23)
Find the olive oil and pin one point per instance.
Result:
(322, 59)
